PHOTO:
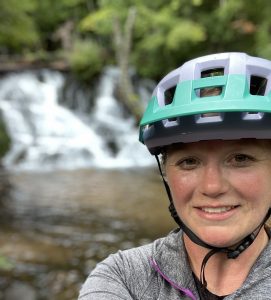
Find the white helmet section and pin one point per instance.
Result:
(232, 63)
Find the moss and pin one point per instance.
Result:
(5, 263)
(5, 141)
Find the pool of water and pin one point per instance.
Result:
(55, 226)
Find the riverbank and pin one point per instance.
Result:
(18, 64)
(58, 225)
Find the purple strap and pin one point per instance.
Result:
(187, 292)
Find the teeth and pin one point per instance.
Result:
(216, 210)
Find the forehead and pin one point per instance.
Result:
(220, 144)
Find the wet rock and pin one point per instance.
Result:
(62, 285)
(5, 184)
(19, 290)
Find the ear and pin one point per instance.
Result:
(162, 160)
(164, 173)
(161, 166)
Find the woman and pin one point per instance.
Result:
(208, 125)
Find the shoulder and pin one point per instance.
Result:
(128, 271)
(132, 266)
(258, 282)
(137, 260)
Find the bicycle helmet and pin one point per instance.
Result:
(219, 96)
(182, 109)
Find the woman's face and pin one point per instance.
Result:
(221, 189)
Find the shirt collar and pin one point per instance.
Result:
(171, 257)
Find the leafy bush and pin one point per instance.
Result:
(86, 59)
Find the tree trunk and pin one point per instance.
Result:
(123, 45)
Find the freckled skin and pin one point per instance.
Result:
(230, 175)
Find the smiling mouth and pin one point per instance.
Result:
(217, 210)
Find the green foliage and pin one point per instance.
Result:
(5, 263)
(49, 14)
(166, 33)
(17, 29)
(99, 22)
(263, 38)
(184, 32)
(86, 59)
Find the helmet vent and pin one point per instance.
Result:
(209, 117)
(169, 95)
(252, 115)
(212, 72)
(257, 85)
(213, 90)
(209, 91)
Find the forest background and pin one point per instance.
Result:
(146, 38)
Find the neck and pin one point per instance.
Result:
(224, 275)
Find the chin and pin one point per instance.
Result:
(220, 244)
(219, 239)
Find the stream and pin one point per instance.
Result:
(81, 186)
(56, 225)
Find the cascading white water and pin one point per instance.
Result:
(46, 135)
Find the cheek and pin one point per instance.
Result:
(256, 187)
(248, 184)
(181, 186)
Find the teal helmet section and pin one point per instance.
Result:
(220, 96)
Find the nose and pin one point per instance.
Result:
(213, 182)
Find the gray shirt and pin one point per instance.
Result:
(133, 274)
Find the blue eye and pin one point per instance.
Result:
(188, 163)
(241, 160)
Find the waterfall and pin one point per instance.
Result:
(47, 134)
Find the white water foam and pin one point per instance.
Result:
(46, 135)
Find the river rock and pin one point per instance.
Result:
(19, 290)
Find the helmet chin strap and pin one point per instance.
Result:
(231, 252)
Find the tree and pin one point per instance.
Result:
(151, 31)
(158, 38)
(161, 33)
(123, 44)
(17, 28)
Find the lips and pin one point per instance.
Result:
(216, 210)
